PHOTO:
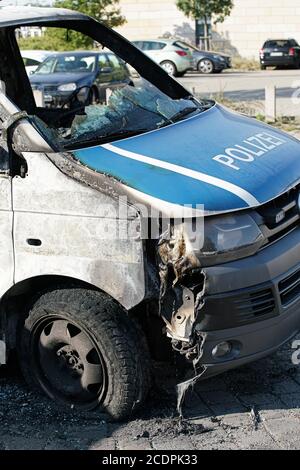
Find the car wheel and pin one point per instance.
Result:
(263, 67)
(81, 349)
(206, 66)
(169, 67)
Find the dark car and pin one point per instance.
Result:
(207, 61)
(280, 53)
(86, 75)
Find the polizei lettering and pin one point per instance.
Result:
(253, 147)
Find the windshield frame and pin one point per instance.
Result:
(118, 45)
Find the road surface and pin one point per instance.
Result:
(249, 87)
(254, 407)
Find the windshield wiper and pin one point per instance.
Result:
(102, 139)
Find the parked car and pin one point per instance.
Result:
(280, 53)
(169, 53)
(152, 226)
(32, 59)
(90, 73)
(207, 61)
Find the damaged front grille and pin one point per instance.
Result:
(289, 288)
(50, 88)
(280, 216)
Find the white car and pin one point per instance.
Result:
(32, 59)
(169, 53)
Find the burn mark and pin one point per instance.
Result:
(182, 289)
(182, 296)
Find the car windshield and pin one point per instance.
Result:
(112, 104)
(69, 63)
(136, 108)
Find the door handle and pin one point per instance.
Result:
(34, 241)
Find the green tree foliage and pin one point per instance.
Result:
(106, 11)
(196, 9)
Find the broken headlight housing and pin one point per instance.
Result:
(228, 238)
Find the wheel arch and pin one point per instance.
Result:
(17, 300)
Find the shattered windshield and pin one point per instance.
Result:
(90, 97)
(135, 108)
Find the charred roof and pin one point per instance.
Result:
(13, 16)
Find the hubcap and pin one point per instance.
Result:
(206, 66)
(168, 68)
(68, 363)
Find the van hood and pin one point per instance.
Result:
(219, 159)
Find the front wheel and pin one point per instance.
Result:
(169, 67)
(82, 350)
(206, 66)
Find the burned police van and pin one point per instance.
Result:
(137, 226)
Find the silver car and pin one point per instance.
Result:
(169, 53)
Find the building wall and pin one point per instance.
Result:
(151, 19)
(254, 21)
(250, 24)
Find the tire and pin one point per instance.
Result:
(263, 67)
(169, 67)
(82, 350)
(205, 66)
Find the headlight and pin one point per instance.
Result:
(67, 87)
(229, 237)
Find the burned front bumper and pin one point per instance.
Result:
(253, 304)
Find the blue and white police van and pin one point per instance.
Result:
(148, 222)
